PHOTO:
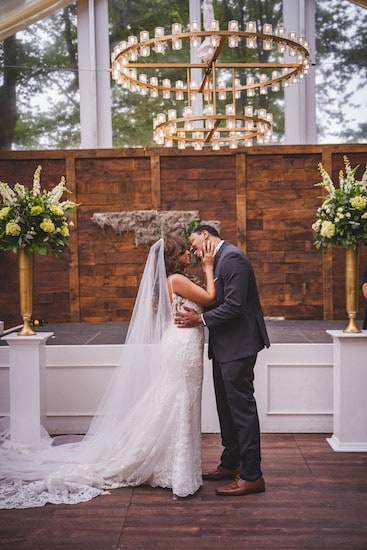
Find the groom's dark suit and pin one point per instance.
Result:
(237, 333)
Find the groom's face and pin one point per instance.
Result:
(196, 242)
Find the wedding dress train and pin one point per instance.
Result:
(154, 439)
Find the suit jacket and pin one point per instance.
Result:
(236, 323)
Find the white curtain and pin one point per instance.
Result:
(16, 15)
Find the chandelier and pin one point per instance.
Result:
(214, 88)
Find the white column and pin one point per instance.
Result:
(350, 384)
(94, 74)
(27, 376)
(300, 103)
(103, 79)
(196, 74)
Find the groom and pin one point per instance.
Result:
(237, 333)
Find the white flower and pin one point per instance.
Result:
(7, 193)
(358, 202)
(37, 181)
(327, 229)
(57, 192)
(326, 179)
(21, 190)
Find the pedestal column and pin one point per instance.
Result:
(27, 376)
(350, 383)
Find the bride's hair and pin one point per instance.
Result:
(174, 246)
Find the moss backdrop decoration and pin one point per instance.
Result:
(149, 225)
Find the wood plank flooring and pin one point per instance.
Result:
(315, 499)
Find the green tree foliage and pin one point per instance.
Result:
(39, 105)
(8, 107)
(39, 96)
(132, 114)
(341, 31)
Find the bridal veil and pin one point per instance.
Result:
(58, 472)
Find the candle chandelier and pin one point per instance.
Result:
(213, 87)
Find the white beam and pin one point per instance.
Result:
(94, 75)
(16, 15)
(300, 107)
(196, 74)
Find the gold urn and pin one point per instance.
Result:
(25, 263)
(352, 288)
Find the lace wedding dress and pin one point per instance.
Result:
(147, 429)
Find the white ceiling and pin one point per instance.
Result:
(15, 15)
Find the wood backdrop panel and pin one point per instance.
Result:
(110, 266)
(264, 198)
(281, 202)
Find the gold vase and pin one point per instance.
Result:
(352, 288)
(25, 262)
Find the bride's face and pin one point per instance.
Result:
(184, 257)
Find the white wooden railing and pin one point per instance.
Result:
(293, 384)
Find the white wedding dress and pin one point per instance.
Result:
(154, 439)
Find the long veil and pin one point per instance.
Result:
(77, 471)
(140, 359)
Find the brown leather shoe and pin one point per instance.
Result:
(240, 487)
(220, 473)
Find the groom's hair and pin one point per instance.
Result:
(210, 229)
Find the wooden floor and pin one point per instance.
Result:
(315, 498)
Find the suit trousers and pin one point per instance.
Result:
(238, 417)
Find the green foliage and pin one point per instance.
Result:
(39, 96)
(132, 115)
(190, 227)
(45, 93)
(341, 46)
(186, 232)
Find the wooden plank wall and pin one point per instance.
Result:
(264, 198)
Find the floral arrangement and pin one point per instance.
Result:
(342, 217)
(34, 219)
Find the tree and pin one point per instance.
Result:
(341, 30)
(132, 115)
(8, 105)
(39, 97)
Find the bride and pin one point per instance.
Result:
(147, 429)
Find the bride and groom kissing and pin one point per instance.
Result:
(155, 438)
